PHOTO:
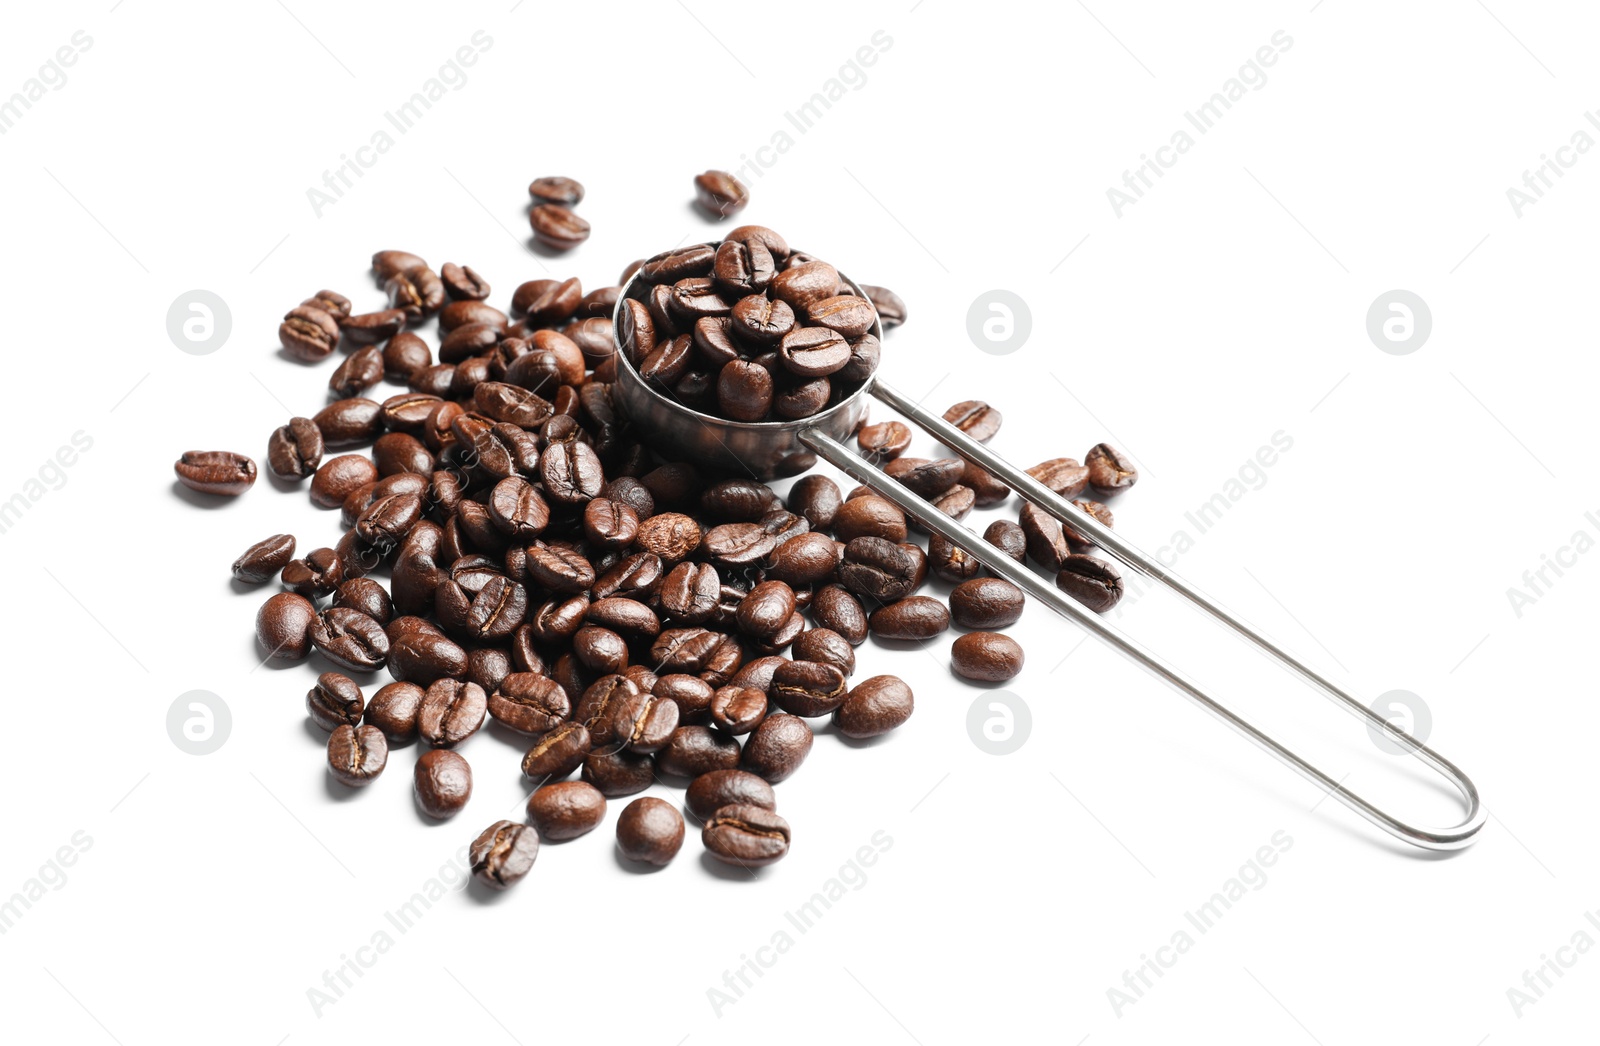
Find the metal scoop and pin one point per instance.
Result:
(765, 449)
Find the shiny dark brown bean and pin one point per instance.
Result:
(1046, 543)
(530, 703)
(650, 831)
(1079, 542)
(315, 574)
(350, 639)
(425, 657)
(803, 285)
(308, 333)
(1064, 476)
(463, 283)
(619, 773)
(869, 516)
(556, 227)
(357, 754)
(283, 626)
(891, 307)
(949, 561)
(504, 854)
(884, 441)
(443, 782)
(927, 479)
(696, 750)
(295, 450)
(565, 810)
(712, 791)
(262, 561)
(912, 618)
(878, 569)
(334, 701)
(397, 452)
(1008, 537)
(557, 190)
(875, 706)
(808, 688)
(1110, 470)
(218, 472)
(986, 657)
(360, 371)
(372, 327)
(745, 835)
(738, 710)
(744, 391)
(975, 418)
(817, 498)
(986, 488)
(720, 193)
(557, 753)
(1094, 582)
(777, 747)
(986, 603)
(835, 607)
(452, 711)
(846, 314)
(339, 477)
(394, 709)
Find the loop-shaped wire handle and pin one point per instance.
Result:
(841, 457)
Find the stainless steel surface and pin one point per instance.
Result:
(761, 450)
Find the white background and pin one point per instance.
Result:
(1227, 305)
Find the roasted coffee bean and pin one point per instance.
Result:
(489, 615)
(350, 639)
(802, 401)
(467, 341)
(566, 809)
(391, 263)
(927, 479)
(619, 772)
(488, 667)
(1079, 542)
(219, 472)
(599, 304)
(409, 411)
(869, 516)
(357, 754)
(806, 560)
(713, 339)
(1064, 476)
(443, 782)
(808, 688)
(530, 703)
(314, 575)
(671, 535)
(394, 710)
(628, 618)
(1008, 537)
(760, 321)
(560, 569)
(463, 283)
(372, 327)
(650, 831)
(875, 706)
(504, 854)
(557, 620)
(405, 355)
(835, 607)
(434, 380)
(826, 646)
(845, 314)
(986, 489)
(295, 450)
(884, 441)
(986, 603)
(816, 498)
(389, 518)
(637, 576)
(878, 569)
(557, 228)
(737, 709)
(720, 193)
(334, 701)
(696, 750)
(891, 307)
(1046, 543)
(646, 722)
(949, 561)
(692, 694)
(261, 561)
(331, 302)
(339, 477)
(712, 791)
(283, 626)
(765, 609)
(803, 285)
(975, 418)
(425, 657)
(398, 452)
(610, 524)
(744, 391)
(694, 298)
(636, 331)
(865, 354)
(987, 657)
(460, 313)
(777, 747)
(452, 711)
(517, 509)
(743, 268)
(1093, 582)
(604, 708)
(571, 473)
(558, 753)
(360, 371)
(600, 649)
(308, 333)
(417, 292)
(913, 618)
(546, 303)
(1110, 470)
(746, 835)
(813, 352)
(560, 191)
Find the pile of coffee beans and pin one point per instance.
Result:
(748, 330)
(631, 618)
